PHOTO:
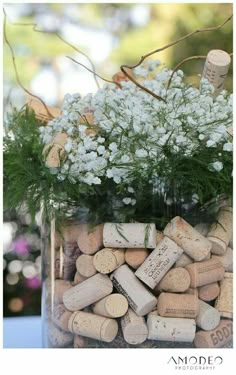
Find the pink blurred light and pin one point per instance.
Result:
(21, 246)
(33, 282)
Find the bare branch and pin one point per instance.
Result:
(15, 67)
(182, 63)
(77, 62)
(144, 57)
(36, 29)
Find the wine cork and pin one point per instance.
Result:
(215, 338)
(139, 298)
(78, 278)
(55, 150)
(226, 259)
(107, 260)
(224, 302)
(208, 292)
(61, 316)
(134, 328)
(135, 257)
(93, 326)
(87, 292)
(84, 265)
(159, 262)
(40, 111)
(175, 280)
(170, 329)
(221, 231)
(121, 77)
(60, 286)
(57, 337)
(80, 341)
(183, 260)
(208, 317)
(132, 235)
(206, 272)
(160, 236)
(65, 259)
(178, 305)
(189, 239)
(113, 306)
(216, 69)
(193, 291)
(87, 119)
(90, 240)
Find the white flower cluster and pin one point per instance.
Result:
(132, 128)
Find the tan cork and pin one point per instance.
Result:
(208, 292)
(90, 239)
(108, 259)
(189, 239)
(220, 232)
(178, 305)
(93, 326)
(205, 272)
(175, 280)
(170, 329)
(87, 292)
(224, 302)
(216, 338)
(84, 265)
(113, 306)
(40, 112)
(208, 317)
(158, 263)
(135, 257)
(134, 328)
(139, 298)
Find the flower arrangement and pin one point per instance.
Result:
(134, 157)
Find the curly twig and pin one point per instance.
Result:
(75, 61)
(37, 30)
(124, 66)
(182, 63)
(15, 67)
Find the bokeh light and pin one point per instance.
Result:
(15, 305)
(12, 278)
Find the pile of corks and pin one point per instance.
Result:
(130, 285)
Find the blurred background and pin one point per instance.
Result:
(111, 35)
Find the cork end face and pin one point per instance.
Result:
(218, 246)
(90, 242)
(135, 333)
(105, 261)
(219, 57)
(116, 305)
(109, 330)
(54, 153)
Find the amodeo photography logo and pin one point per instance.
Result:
(194, 362)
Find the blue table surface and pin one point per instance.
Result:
(22, 332)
